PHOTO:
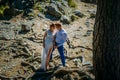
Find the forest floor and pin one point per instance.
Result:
(20, 58)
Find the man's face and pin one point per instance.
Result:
(58, 27)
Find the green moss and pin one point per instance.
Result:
(72, 3)
(2, 8)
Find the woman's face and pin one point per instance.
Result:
(52, 28)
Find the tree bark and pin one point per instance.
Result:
(106, 40)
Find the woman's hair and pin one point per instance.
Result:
(52, 25)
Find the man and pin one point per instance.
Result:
(60, 38)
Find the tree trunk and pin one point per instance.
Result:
(106, 40)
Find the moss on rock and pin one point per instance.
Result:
(72, 3)
(2, 8)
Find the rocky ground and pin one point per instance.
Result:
(20, 51)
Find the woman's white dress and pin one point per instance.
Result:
(48, 44)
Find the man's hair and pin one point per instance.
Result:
(58, 24)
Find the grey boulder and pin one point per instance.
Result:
(53, 10)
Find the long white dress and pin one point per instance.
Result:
(48, 44)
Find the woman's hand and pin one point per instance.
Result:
(44, 45)
(55, 47)
(44, 39)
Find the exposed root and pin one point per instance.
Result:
(12, 78)
(28, 64)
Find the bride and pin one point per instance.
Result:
(48, 44)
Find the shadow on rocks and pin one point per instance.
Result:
(40, 74)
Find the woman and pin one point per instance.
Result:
(48, 44)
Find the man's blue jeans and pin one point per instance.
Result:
(61, 52)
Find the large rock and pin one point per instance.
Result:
(28, 10)
(89, 32)
(12, 12)
(53, 10)
(41, 16)
(7, 31)
(74, 17)
(92, 13)
(8, 34)
(65, 3)
(26, 26)
(78, 13)
(23, 4)
(61, 7)
(87, 23)
(65, 20)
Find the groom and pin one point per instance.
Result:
(60, 38)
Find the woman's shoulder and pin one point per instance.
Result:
(47, 30)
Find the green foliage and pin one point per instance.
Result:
(30, 14)
(58, 0)
(38, 7)
(72, 3)
(2, 8)
(45, 0)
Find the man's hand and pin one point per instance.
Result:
(55, 47)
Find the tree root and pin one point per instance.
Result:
(60, 73)
(11, 78)
(28, 64)
(33, 59)
(5, 46)
(83, 47)
(63, 71)
(19, 55)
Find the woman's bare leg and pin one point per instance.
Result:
(48, 57)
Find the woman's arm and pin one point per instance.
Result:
(44, 39)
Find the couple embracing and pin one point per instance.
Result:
(54, 38)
